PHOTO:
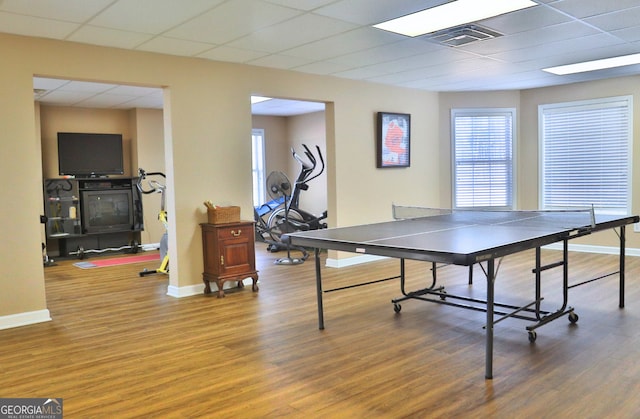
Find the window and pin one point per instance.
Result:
(585, 150)
(483, 158)
(258, 166)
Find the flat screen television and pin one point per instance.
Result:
(90, 155)
(105, 211)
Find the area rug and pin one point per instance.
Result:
(124, 260)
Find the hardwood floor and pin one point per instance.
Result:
(119, 347)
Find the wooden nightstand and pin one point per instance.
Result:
(229, 254)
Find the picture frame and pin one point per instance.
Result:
(393, 140)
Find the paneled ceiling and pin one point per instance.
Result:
(335, 38)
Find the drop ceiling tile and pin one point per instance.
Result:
(386, 53)
(232, 20)
(363, 73)
(47, 83)
(143, 102)
(322, 67)
(108, 37)
(367, 12)
(455, 69)
(588, 8)
(129, 90)
(151, 16)
(64, 98)
(225, 53)
(284, 107)
(344, 43)
(279, 61)
(563, 47)
(628, 34)
(534, 38)
(86, 87)
(327, 37)
(105, 100)
(306, 5)
(526, 20)
(616, 20)
(174, 46)
(292, 33)
(65, 10)
(443, 55)
(571, 57)
(35, 26)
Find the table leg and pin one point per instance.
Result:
(319, 291)
(489, 329)
(622, 256)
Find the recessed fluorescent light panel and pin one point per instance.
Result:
(451, 14)
(594, 65)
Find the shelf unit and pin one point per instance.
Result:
(67, 226)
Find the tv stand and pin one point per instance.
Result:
(94, 213)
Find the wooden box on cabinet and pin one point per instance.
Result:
(229, 254)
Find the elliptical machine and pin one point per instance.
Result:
(284, 212)
(157, 187)
(291, 217)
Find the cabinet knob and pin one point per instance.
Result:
(221, 260)
(236, 233)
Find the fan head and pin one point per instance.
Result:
(278, 185)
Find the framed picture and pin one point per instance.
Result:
(393, 139)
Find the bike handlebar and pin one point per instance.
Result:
(142, 175)
(308, 167)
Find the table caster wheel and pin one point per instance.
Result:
(397, 308)
(573, 317)
(532, 336)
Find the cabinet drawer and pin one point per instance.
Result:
(235, 232)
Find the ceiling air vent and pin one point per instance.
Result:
(461, 35)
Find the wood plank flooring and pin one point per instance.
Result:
(119, 347)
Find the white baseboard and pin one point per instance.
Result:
(198, 289)
(24, 319)
(356, 260)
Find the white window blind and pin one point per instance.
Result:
(483, 158)
(258, 167)
(586, 155)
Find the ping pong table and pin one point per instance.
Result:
(466, 238)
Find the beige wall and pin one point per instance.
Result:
(275, 137)
(21, 281)
(147, 152)
(207, 125)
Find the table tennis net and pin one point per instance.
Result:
(582, 216)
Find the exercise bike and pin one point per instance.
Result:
(284, 212)
(156, 187)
